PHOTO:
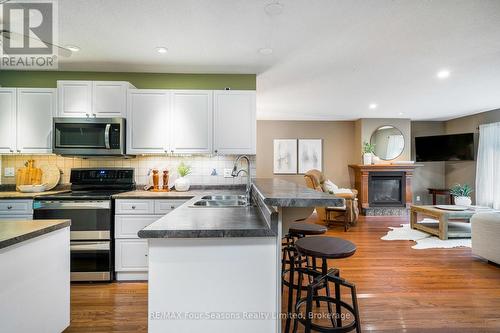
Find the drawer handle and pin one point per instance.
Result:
(9, 207)
(145, 255)
(133, 207)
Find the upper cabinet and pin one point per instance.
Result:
(234, 122)
(26, 120)
(148, 121)
(106, 99)
(7, 120)
(192, 121)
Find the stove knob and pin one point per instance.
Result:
(9, 207)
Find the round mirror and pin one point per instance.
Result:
(389, 142)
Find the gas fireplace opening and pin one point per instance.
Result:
(386, 189)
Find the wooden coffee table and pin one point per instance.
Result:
(443, 229)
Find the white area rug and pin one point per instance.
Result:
(424, 240)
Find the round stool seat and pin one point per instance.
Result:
(297, 228)
(325, 247)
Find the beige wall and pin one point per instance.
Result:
(369, 125)
(430, 174)
(338, 146)
(465, 172)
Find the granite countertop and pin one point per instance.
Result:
(21, 195)
(200, 222)
(193, 192)
(282, 193)
(14, 232)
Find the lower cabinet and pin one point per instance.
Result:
(131, 252)
(19, 209)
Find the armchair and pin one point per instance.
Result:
(347, 215)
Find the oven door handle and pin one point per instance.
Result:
(68, 205)
(106, 136)
(89, 246)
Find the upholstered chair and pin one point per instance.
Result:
(347, 215)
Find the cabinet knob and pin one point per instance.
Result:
(94, 115)
(11, 150)
(19, 150)
(145, 255)
(9, 207)
(87, 115)
(133, 207)
(172, 207)
(216, 151)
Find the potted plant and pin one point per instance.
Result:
(368, 150)
(182, 183)
(461, 194)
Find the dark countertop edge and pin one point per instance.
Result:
(194, 190)
(231, 233)
(153, 195)
(33, 234)
(299, 202)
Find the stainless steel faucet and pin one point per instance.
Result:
(236, 172)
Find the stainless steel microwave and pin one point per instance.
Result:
(89, 136)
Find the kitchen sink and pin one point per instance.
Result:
(223, 197)
(219, 203)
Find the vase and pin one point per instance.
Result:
(367, 158)
(463, 201)
(182, 184)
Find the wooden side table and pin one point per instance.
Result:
(440, 191)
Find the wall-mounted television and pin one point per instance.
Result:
(455, 147)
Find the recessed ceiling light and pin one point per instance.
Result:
(274, 8)
(266, 51)
(72, 48)
(373, 106)
(161, 50)
(443, 74)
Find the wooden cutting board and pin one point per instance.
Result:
(29, 175)
(50, 176)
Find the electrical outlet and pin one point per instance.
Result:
(227, 173)
(8, 172)
(418, 198)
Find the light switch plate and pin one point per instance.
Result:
(8, 172)
(227, 173)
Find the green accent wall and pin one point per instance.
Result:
(47, 79)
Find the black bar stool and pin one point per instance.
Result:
(324, 248)
(296, 231)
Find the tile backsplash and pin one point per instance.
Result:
(202, 166)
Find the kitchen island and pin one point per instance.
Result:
(217, 269)
(35, 278)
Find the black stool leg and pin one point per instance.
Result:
(324, 271)
(318, 304)
(290, 293)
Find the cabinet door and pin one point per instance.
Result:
(234, 122)
(7, 120)
(148, 120)
(131, 255)
(127, 226)
(109, 99)
(191, 126)
(75, 98)
(35, 109)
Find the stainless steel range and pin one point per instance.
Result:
(90, 208)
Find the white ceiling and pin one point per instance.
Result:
(331, 58)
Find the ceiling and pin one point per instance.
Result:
(330, 60)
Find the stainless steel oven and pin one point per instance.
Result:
(89, 136)
(90, 219)
(91, 261)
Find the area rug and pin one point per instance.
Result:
(424, 240)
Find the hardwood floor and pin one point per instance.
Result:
(399, 289)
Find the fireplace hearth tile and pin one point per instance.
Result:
(386, 211)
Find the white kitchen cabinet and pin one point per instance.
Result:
(18, 209)
(132, 215)
(148, 121)
(191, 125)
(104, 99)
(35, 109)
(7, 120)
(131, 255)
(26, 120)
(234, 122)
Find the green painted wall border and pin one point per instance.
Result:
(47, 79)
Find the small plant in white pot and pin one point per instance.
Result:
(368, 150)
(182, 183)
(461, 194)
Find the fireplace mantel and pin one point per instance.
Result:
(362, 176)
